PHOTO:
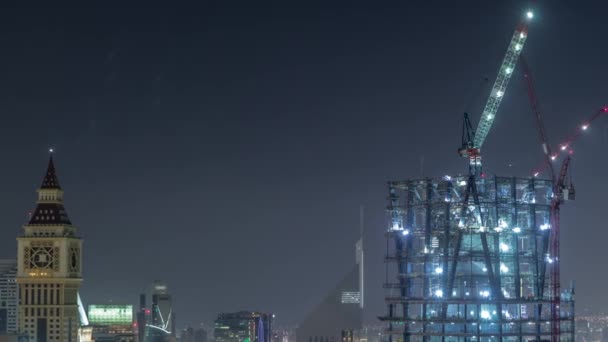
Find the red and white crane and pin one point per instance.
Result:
(563, 190)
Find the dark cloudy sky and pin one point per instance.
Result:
(225, 147)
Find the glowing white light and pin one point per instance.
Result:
(462, 183)
(516, 230)
(522, 35)
(499, 93)
(485, 314)
(472, 312)
(584, 127)
(536, 174)
(460, 224)
(447, 199)
(508, 70)
(564, 147)
(517, 47)
(548, 259)
(504, 247)
(502, 224)
(405, 232)
(439, 270)
(489, 116)
(439, 293)
(553, 157)
(485, 293)
(503, 268)
(530, 15)
(51, 150)
(545, 226)
(484, 269)
(447, 178)
(482, 229)
(466, 294)
(396, 226)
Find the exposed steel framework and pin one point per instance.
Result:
(469, 259)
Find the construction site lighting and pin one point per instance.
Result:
(530, 14)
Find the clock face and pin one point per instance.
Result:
(41, 257)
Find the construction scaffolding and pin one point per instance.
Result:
(468, 259)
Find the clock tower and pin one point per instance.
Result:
(49, 268)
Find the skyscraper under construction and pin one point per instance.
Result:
(468, 260)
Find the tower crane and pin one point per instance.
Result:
(562, 191)
(472, 140)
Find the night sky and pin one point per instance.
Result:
(226, 147)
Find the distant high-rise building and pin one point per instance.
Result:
(49, 268)
(193, 335)
(162, 310)
(9, 297)
(112, 322)
(244, 326)
(200, 335)
(340, 311)
(187, 335)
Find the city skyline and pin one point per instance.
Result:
(190, 140)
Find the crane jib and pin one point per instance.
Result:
(500, 84)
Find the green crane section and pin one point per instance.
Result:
(473, 140)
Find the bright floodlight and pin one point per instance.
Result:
(405, 232)
(584, 127)
(439, 270)
(504, 247)
(530, 14)
(51, 150)
(516, 230)
(439, 293)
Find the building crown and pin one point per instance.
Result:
(49, 207)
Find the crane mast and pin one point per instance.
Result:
(473, 140)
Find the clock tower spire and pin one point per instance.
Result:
(49, 267)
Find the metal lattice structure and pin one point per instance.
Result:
(468, 259)
(500, 84)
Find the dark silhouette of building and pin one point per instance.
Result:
(191, 335)
(340, 311)
(200, 335)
